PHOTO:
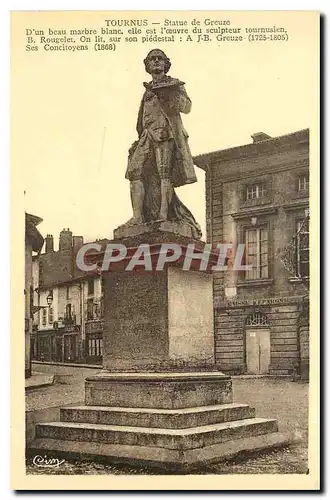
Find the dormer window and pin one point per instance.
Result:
(255, 191)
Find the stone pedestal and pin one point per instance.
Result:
(181, 229)
(158, 320)
(166, 390)
(159, 398)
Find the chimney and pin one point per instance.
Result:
(65, 239)
(49, 243)
(78, 242)
(260, 136)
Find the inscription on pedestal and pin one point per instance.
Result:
(135, 331)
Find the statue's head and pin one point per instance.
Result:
(157, 62)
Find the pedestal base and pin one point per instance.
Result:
(177, 421)
(158, 390)
(174, 228)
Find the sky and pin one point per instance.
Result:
(74, 114)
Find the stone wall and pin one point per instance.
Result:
(230, 331)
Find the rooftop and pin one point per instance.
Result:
(262, 143)
(32, 233)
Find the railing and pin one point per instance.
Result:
(94, 326)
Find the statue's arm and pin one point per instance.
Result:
(176, 101)
(179, 101)
(183, 101)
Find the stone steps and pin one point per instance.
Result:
(159, 418)
(175, 439)
(176, 419)
(184, 461)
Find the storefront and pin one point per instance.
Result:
(70, 347)
(70, 344)
(58, 345)
(94, 341)
(48, 345)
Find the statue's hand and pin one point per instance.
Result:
(149, 94)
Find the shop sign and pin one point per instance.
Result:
(72, 328)
(268, 301)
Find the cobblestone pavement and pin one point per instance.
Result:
(38, 379)
(291, 460)
(275, 398)
(69, 387)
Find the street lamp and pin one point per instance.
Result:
(49, 298)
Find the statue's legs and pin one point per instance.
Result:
(166, 190)
(163, 153)
(137, 198)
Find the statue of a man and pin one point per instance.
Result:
(161, 159)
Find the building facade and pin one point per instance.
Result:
(33, 243)
(258, 194)
(68, 325)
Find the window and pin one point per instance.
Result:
(101, 308)
(97, 312)
(73, 315)
(255, 191)
(90, 287)
(90, 309)
(303, 182)
(50, 316)
(44, 316)
(302, 248)
(67, 292)
(95, 346)
(68, 315)
(44, 347)
(256, 241)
